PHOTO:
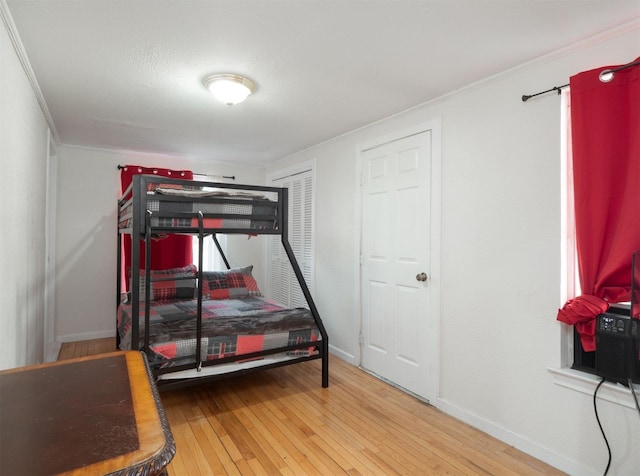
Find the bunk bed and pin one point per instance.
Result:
(196, 325)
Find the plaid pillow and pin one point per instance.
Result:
(231, 284)
(175, 283)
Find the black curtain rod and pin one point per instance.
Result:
(605, 76)
(230, 177)
(526, 97)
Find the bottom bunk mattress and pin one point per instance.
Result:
(230, 327)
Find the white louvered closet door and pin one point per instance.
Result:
(284, 285)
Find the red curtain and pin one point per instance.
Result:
(174, 251)
(605, 127)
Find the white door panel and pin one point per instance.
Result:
(395, 249)
(377, 308)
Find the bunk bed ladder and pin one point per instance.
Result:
(134, 281)
(217, 243)
(147, 282)
(198, 356)
(118, 279)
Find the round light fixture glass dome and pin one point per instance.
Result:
(230, 89)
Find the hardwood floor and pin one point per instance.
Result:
(281, 421)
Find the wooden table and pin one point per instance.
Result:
(90, 416)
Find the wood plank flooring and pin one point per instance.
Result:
(281, 421)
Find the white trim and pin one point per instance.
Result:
(586, 383)
(518, 69)
(357, 260)
(292, 170)
(87, 336)
(189, 159)
(563, 374)
(514, 439)
(51, 352)
(435, 126)
(436, 246)
(342, 355)
(50, 343)
(568, 253)
(12, 31)
(567, 285)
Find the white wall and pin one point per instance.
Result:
(23, 155)
(86, 240)
(500, 260)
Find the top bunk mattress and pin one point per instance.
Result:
(172, 205)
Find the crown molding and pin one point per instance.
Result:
(12, 31)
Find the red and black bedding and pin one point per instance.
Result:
(230, 327)
(176, 206)
(236, 320)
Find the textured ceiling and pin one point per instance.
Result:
(128, 74)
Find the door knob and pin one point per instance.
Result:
(421, 277)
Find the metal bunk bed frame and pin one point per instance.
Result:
(141, 230)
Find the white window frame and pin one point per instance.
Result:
(570, 281)
(563, 375)
(570, 278)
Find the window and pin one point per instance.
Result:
(615, 182)
(211, 259)
(571, 281)
(284, 287)
(578, 358)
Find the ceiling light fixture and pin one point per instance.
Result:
(230, 89)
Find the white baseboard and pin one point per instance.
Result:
(86, 336)
(342, 355)
(51, 351)
(513, 439)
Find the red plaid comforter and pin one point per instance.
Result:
(230, 327)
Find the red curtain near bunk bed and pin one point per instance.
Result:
(173, 251)
(605, 129)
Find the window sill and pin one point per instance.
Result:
(586, 383)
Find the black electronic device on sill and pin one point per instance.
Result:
(616, 356)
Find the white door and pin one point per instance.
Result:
(395, 254)
(284, 287)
